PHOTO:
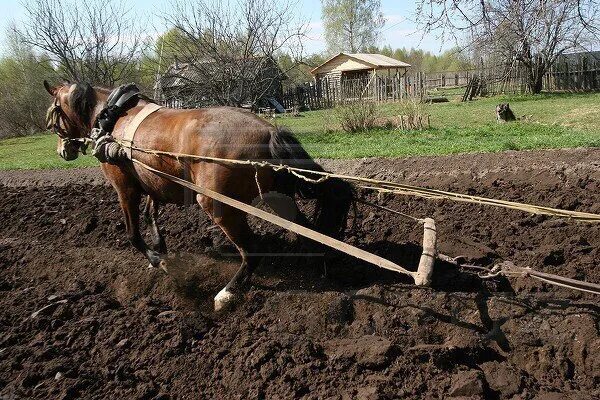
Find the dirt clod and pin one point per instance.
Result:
(502, 378)
(467, 383)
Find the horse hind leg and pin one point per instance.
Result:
(234, 224)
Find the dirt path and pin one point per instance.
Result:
(113, 329)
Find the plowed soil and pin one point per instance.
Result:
(82, 317)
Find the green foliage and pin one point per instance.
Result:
(37, 152)
(351, 25)
(356, 116)
(559, 121)
(298, 71)
(23, 99)
(425, 61)
(166, 47)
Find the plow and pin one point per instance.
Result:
(422, 276)
(175, 167)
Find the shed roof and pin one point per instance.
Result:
(373, 60)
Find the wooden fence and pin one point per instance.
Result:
(581, 73)
(573, 73)
(328, 92)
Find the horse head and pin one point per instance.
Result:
(70, 116)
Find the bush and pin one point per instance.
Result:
(356, 116)
(23, 99)
(413, 114)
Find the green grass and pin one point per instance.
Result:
(37, 152)
(557, 121)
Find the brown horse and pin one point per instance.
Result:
(221, 132)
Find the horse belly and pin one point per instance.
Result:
(169, 193)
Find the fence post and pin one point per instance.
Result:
(585, 73)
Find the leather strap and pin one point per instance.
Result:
(132, 127)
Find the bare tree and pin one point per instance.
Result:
(95, 41)
(533, 32)
(226, 50)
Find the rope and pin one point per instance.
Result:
(258, 183)
(507, 268)
(390, 210)
(389, 187)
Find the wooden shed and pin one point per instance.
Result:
(354, 75)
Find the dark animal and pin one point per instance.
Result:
(504, 113)
(221, 132)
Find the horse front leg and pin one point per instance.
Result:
(150, 216)
(130, 204)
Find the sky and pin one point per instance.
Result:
(399, 30)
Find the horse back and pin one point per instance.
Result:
(220, 132)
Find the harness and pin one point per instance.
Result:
(106, 149)
(119, 101)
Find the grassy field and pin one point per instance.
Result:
(554, 121)
(37, 152)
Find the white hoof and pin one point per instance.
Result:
(162, 265)
(223, 298)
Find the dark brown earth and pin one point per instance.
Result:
(110, 328)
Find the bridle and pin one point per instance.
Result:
(54, 117)
(118, 102)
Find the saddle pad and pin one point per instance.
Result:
(130, 129)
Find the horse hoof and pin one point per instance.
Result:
(163, 265)
(223, 299)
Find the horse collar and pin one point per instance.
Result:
(119, 101)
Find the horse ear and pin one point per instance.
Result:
(50, 89)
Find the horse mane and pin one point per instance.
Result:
(83, 101)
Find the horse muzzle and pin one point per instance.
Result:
(67, 150)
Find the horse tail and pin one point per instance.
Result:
(334, 196)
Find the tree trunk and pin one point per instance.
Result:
(535, 78)
(536, 85)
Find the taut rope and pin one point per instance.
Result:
(389, 187)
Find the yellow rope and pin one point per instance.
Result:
(388, 187)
